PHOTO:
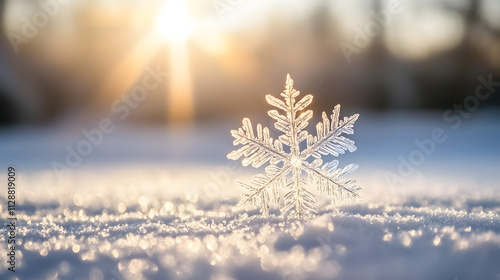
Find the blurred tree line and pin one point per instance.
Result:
(37, 88)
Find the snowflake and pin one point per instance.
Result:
(259, 149)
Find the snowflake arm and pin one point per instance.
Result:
(256, 150)
(300, 199)
(263, 189)
(328, 139)
(290, 124)
(330, 180)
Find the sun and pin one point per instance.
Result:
(174, 22)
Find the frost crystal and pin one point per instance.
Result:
(259, 149)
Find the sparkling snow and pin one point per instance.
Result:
(166, 209)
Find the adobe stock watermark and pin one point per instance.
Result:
(371, 29)
(223, 7)
(120, 108)
(454, 117)
(40, 19)
(221, 180)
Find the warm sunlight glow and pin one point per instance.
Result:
(175, 25)
(180, 99)
(174, 22)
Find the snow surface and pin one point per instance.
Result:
(154, 205)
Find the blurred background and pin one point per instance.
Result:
(68, 61)
(174, 77)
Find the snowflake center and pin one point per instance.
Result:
(295, 161)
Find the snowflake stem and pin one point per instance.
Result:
(298, 191)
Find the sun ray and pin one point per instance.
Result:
(124, 74)
(175, 25)
(172, 29)
(180, 99)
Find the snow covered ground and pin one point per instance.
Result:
(150, 203)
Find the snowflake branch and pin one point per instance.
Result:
(256, 150)
(258, 187)
(328, 139)
(299, 198)
(290, 124)
(331, 180)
